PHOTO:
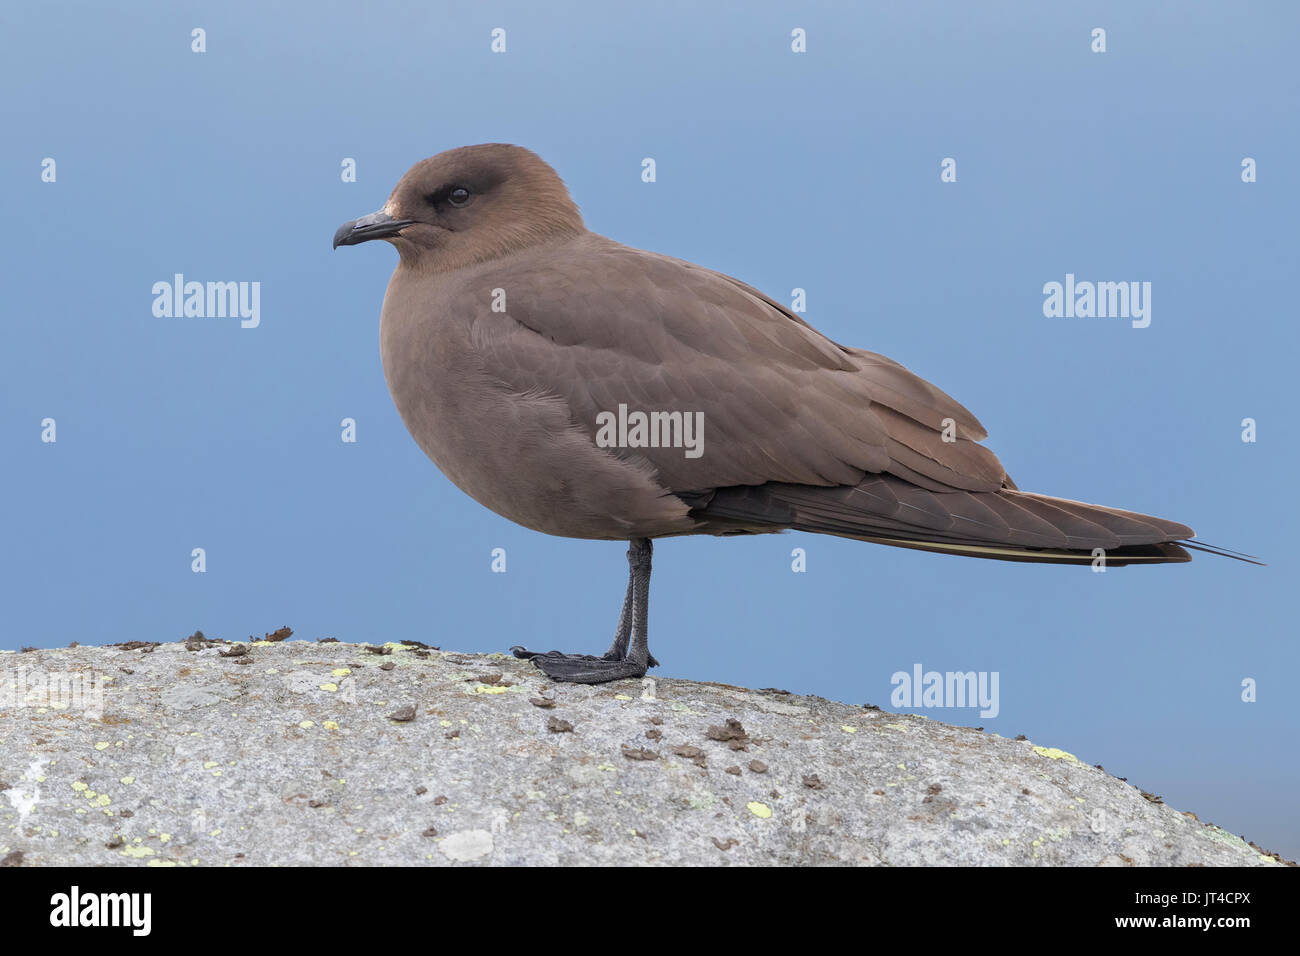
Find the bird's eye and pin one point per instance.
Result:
(458, 197)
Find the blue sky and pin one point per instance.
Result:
(817, 170)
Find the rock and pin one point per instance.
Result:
(186, 696)
(466, 845)
(302, 758)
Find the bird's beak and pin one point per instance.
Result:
(378, 225)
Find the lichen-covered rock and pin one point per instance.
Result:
(331, 753)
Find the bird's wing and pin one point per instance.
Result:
(602, 325)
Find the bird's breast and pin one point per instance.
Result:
(516, 452)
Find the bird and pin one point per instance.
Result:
(587, 389)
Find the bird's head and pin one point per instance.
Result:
(469, 205)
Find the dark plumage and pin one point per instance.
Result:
(508, 329)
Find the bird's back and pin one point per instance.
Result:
(505, 370)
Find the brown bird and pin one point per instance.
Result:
(584, 388)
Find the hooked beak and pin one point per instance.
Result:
(377, 225)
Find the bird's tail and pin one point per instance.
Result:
(1005, 525)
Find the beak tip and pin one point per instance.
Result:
(341, 234)
(377, 225)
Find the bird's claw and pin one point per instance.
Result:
(583, 668)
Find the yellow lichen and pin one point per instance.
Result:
(1056, 754)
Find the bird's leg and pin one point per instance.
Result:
(629, 655)
(618, 650)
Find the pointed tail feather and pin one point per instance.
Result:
(1005, 525)
(1223, 552)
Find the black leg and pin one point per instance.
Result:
(629, 655)
(618, 650)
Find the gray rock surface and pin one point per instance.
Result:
(329, 753)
